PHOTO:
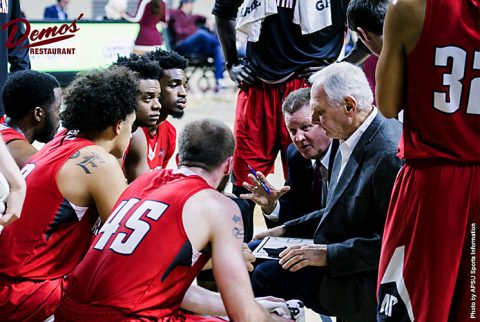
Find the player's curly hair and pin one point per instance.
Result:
(100, 98)
(27, 89)
(142, 65)
(168, 59)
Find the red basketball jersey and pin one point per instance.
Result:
(51, 235)
(141, 262)
(442, 115)
(9, 134)
(161, 146)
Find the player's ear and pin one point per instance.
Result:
(229, 167)
(38, 114)
(117, 127)
(363, 34)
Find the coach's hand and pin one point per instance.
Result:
(298, 256)
(274, 232)
(258, 194)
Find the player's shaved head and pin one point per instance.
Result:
(205, 143)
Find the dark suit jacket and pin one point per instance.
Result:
(299, 200)
(352, 223)
(51, 13)
(17, 56)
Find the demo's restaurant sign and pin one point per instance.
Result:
(41, 40)
(73, 46)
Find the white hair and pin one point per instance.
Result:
(340, 80)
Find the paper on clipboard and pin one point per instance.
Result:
(270, 246)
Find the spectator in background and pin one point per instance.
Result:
(56, 11)
(32, 102)
(188, 38)
(149, 14)
(115, 10)
(16, 56)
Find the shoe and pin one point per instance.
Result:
(220, 84)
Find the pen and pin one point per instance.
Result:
(258, 179)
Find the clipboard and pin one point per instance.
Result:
(270, 247)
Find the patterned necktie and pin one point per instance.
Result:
(319, 183)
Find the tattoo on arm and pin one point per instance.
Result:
(75, 155)
(90, 161)
(237, 231)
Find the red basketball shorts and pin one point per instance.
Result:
(29, 300)
(259, 128)
(430, 252)
(71, 311)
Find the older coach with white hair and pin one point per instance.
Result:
(337, 274)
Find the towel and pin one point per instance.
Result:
(312, 15)
(292, 309)
(251, 15)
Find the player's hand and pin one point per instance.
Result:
(242, 75)
(298, 256)
(260, 196)
(269, 298)
(274, 232)
(269, 303)
(275, 317)
(14, 206)
(309, 71)
(248, 257)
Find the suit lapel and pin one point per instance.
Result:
(352, 166)
(333, 152)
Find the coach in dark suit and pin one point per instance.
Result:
(16, 56)
(337, 275)
(56, 11)
(309, 158)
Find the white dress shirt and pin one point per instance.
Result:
(346, 147)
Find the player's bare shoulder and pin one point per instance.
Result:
(215, 202)
(90, 160)
(214, 205)
(406, 17)
(88, 164)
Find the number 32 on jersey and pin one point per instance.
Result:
(450, 101)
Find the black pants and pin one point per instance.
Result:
(269, 278)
